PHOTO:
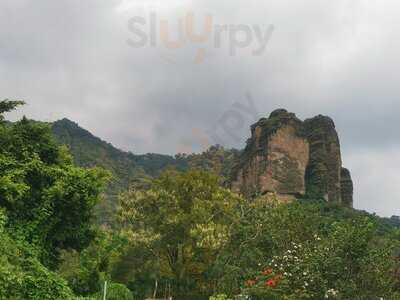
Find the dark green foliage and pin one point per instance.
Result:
(22, 276)
(46, 205)
(49, 201)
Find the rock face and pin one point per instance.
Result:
(346, 186)
(291, 159)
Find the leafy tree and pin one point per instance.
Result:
(49, 201)
(182, 221)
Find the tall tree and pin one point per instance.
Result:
(49, 201)
(183, 221)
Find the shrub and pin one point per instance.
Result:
(117, 291)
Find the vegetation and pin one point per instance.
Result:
(46, 206)
(302, 250)
(129, 169)
(178, 232)
(182, 222)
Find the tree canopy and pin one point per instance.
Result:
(46, 206)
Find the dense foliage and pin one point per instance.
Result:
(48, 200)
(178, 227)
(46, 206)
(22, 276)
(263, 249)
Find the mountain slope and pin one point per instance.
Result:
(90, 151)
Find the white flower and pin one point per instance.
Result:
(331, 292)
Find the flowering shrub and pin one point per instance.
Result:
(338, 266)
(291, 274)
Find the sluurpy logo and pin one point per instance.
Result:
(153, 31)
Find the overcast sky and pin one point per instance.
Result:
(82, 60)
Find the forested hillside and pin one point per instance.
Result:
(128, 168)
(89, 150)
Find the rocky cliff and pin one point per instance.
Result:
(292, 159)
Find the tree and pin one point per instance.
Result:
(7, 106)
(183, 221)
(48, 200)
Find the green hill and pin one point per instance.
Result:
(90, 151)
(128, 168)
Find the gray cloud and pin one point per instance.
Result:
(339, 58)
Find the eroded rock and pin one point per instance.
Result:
(291, 158)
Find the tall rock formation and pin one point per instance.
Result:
(291, 158)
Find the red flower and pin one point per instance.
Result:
(271, 283)
(266, 272)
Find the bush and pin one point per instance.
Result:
(117, 291)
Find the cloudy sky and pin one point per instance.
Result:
(133, 73)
